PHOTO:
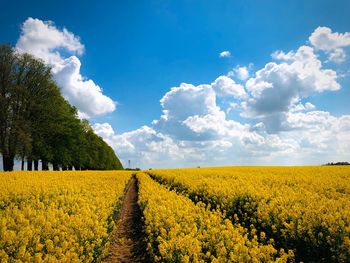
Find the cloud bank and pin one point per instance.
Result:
(261, 117)
(59, 48)
(247, 116)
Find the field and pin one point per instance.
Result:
(302, 209)
(58, 216)
(229, 214)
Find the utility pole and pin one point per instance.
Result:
(129, 163)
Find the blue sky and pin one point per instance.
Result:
(137, 50)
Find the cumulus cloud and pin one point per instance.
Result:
(337, 55)
(181, 103)
(272, 123)
(193, 130)
(309, 106)
(302, 107)
(331, 42)
(44, 40)
(280, 55)
(318, 133)
(82, 93)
(324, 39)
(277, 87)
(314, 137)
(143, 146)
(225, 54)
(225, 86)
(104, 130)
(242, 73)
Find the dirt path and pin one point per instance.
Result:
(127, 243)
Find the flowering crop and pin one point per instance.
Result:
(180, 231)
(306, 209)
(58, 216)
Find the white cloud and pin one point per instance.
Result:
(191, 113)
(276, 125)
(233, 106)
(225, 54)
(338, 55)
(84, 94)
(280, 55)
(194, 131)
(225, 86)
(242, 73)
(44, 40)
(104, 130)
(182, 102)
(320, 133)
(324, 39)
(300, 107)
(278, 86)
(331, 42)
(216, 125)
(309, 106)
(143, 146)
(314, 137)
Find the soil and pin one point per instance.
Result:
(127, 244)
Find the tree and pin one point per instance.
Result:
(37, 123)
(26, 89)
(7, 66)
(40, 94)
(14, 128)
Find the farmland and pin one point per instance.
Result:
(58, 217)
(304, 209)
(229, 214)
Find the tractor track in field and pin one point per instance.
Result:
(127, 242)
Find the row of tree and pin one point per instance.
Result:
(338, 163)
(37, 123)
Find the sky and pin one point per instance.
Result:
(199, 83)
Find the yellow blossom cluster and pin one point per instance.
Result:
(180, 231)
(306, 209)
(58, 216)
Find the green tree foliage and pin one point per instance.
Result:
(37, 123)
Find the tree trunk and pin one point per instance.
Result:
(70, 167)
(45, 165)
(36, 165)
(22, 164)
(8, 163)
(29, 164)
(55, 167)
(64, 167)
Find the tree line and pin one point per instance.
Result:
(338, 163)
(38, 124)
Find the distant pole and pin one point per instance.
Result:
(129, 164)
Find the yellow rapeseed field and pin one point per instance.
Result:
(228, 214)
(180, 231)
(58, 216)
(306, 209)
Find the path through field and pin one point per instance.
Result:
(127, 243)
